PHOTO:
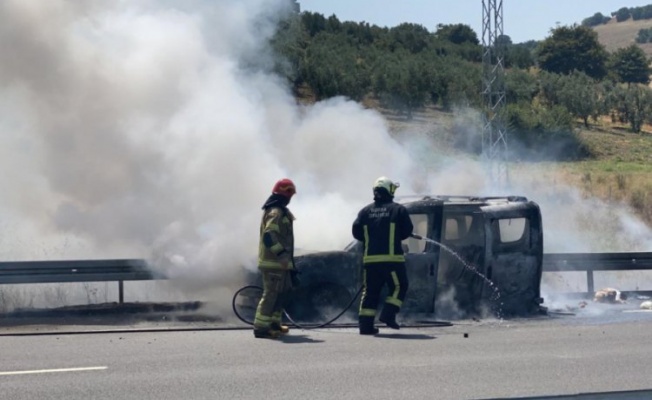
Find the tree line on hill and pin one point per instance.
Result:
(567, 77)
(622, 14)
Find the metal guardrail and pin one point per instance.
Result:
(119, 270)
(591, 262)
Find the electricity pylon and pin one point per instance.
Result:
(494, 141)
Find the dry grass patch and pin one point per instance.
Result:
(625, 184)
(615, 35)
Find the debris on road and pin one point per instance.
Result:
(610, 296)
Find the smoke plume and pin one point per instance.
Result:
(152, 129)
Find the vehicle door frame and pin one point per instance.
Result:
(493, 246)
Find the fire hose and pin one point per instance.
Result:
(259, 289)
(285, 313)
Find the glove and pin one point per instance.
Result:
(294, 276)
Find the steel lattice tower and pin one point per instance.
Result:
(494, 143)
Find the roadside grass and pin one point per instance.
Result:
(620, 169)
(614, 182)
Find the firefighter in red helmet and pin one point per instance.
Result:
(275, 260)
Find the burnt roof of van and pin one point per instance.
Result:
(429, 200)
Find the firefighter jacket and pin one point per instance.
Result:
(381, 226)
(276, 238)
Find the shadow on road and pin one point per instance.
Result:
(406, 336)
(298, 339)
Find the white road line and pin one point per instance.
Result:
(45, 371)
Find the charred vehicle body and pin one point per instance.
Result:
(470, 256)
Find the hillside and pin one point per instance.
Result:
(618, 170)
(609, 143)
(620, 162)
(614, 35)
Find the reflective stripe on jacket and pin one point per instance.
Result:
(276, 238)
(382, 227)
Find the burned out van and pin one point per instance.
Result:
(469, 255)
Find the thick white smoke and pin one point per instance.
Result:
(149, 129)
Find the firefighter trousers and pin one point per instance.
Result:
(376, 276)
(277, 286)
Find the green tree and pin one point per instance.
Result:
(412, 37)
(313, 22)
(333, 24)
(504, 40)
(644, 36)
(519, 56)
(595, 20)
(334, 67)
(623, 14)
(451, 80)
(290, 42)
(608, 102)
(463, 78)
(633, 104)
(362, 34)
(542, 133)
(550, 85)
(457, 33)
(581, 96)
(402, 82)
(573, 48)
(516, 55)
(630, 65)
(521, 86)
(466, 51)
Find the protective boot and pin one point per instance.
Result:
(277, 327)
(367, 326)
(266, 334)
(388, 316)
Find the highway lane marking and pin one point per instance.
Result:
(45, 371)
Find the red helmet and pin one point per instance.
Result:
(284, 187)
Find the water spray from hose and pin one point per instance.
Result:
(496, 293)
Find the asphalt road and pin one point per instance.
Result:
(497, 359)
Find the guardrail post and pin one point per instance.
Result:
(121, 292)
(589, 282)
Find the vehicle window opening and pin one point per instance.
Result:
(512, 229)
(457, 227)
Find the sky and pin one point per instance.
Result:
(522, 20)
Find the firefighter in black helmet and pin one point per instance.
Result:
(382, 226)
